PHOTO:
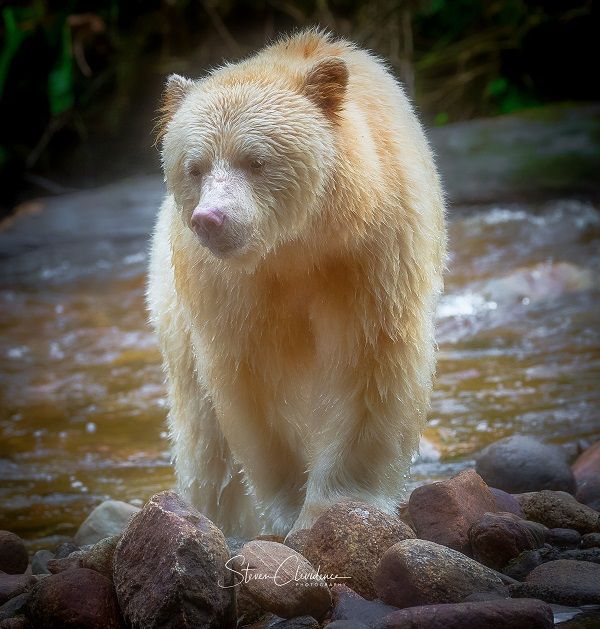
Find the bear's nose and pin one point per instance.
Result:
(207, 221)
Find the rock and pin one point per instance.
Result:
(247, 609)
(587, 474)
(520, 464)
(590, 540)
(65, 549)
(12, 585)
(18, 622)
(13, 554)
(100, 556)
(522, 565)
(443, 512)
(563, 538)
(419, 572)
(506, 502)
(500, 614)
(300, 622)
(170, 568)
(74, 599)
(557, 509)
(348, 605)
(269, 538)
(565, 582)
(70, 562)
(281, 580)
(14, 606)
(297, 540)
(349, 539)
(39, 562)
(108, 518)
(235, 544)
(497, 538)
(346, 624)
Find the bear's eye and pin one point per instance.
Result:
(256, 163)
(196, 171)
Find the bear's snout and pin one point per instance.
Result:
(207, 222)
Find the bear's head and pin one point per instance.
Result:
(248, 156)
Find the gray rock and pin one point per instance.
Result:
(170, 568)
(419, 572)
(39, 562)
(65, 549)
(563, 538)
(522, 565)
(13, 554)
(12, 585)
(498, 614)
(108, 518)
(506, 503)
(565, 582)
(100, 556)
(299, 622)
(290, 585)
(590, 540)
(520, 464)
(346, 624)
(348, 605)
(558, 509)
(14, 606)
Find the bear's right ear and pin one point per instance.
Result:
(175, 91)
(326, 85)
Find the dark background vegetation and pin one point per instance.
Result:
(79, 80)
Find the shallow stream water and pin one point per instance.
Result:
(82, 400)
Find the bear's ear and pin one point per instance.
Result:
(326, 85)
(176, 89)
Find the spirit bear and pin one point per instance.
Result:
(295, 267)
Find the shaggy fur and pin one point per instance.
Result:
(300, 352)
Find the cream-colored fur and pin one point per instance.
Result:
(300, 361)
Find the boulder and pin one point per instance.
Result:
(108, 518)
(170, 568)
(100, 556)
(349, 539)
(558, 509)
(520, 464)
(13, 554)
(497, 538)
(563, 538)
(14, 606)
(587, 475)
(443, 512)
(74, 599)
(348, 605)
(39, 562)
(297, 540)
(590, 540)
(506, 503)
(419, 572)
(565, 582)
(522, 565)
(498, 614)
(12, 585)
(281, 580)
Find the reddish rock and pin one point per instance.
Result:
(13, 554)
(12, 585)
(564, 582)
(348, 605)
(558, 509)
(419, 572)
(169, 568)
(587, 474)
(499, 537)
(70, 562)
(443, 512)
(506, 503)
(298, 540)
(520, 464)
(499, 614)
(74, 599)
(281, 580)
(349, 539)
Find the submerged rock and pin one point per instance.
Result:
(419, 572)
(500, 614)
(281, 580)
(349, 539)
(443, 512)
(13, 554)
(74, 599)
(108, 518)
(170, 568)
(520, 464)
(587, 474)
(565, 582)
(558, 509)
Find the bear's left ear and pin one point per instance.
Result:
(326, 85)
(175, 91)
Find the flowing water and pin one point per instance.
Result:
(82, 400)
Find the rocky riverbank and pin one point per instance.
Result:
(460, 553)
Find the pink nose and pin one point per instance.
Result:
(206, 222)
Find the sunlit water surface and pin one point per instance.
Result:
(82, 397)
